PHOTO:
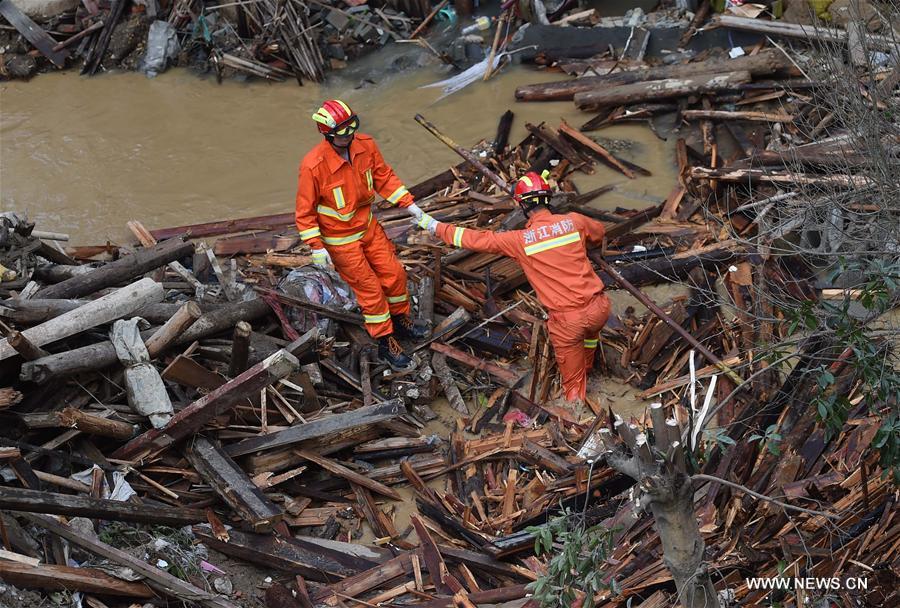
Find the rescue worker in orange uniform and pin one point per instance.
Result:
(338, 181)
(552, 250)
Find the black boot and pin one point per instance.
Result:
(407, 329)
(391, 353)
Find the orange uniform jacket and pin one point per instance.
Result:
(552, 250)
(334, 197)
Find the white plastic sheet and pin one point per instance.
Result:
(145, 389)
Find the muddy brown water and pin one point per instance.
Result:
(84, 156)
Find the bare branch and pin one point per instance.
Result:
(746, 490)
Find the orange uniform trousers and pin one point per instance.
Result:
(575, 336)
(371, 268)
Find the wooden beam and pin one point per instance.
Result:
(47, 577)
(194, 417)
(280, 552)
(233, 485)
(34, 501)
(505, 376)
(335, 423)
(121, 271)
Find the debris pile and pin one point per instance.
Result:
(263, 39)
(210, 377)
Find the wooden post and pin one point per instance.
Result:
(96, 312)
(173, 328)
(24, 347)
(451, 391)
(192, 418)
(240, 349)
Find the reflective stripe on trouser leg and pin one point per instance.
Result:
(382, 257)
(567, 338)
(351, 263)
(590, 351)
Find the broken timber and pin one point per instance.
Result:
(191, 419)
(231, 483)
(335, 423)
(35, 501)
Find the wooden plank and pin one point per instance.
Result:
(34, 33)
(34, 501)
(195, 416)
(156, 578)
(433, 560)
(233, 485)
(187, 372)
(48, 577)
(335, 423)
(365, 581)
(280, 552)
(351, 476)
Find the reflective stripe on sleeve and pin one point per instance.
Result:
(397, 299)
(457, 236)
(310, 233)
(369, 181)
(591, 343)
(572, 237)
(397, 195)
(377, 318)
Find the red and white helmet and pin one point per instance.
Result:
(336, 118)
(532, 190)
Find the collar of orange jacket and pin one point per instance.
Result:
(334, 159)
(537, 214)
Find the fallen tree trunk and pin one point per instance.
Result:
(97, 312)
(658, 89)
(766, 62)
(122, 270)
